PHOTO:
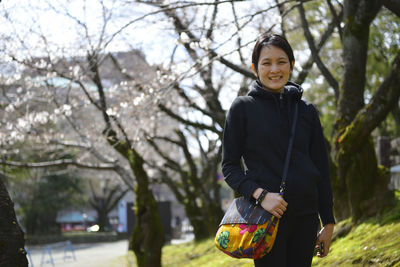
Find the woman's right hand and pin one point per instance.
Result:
(274, 204)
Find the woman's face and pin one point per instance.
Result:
(273, 68)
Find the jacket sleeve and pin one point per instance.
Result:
(232, 150)
(319, 156)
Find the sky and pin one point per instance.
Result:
(60, 24)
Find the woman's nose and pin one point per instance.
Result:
(274, 68)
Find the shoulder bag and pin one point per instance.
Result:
(247, 230)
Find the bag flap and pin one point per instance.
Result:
(243, 211)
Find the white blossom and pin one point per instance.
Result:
(53, 117)
(184, 38)
(67, 110)
(10, 108)
(76, 70)
(194, 45)
(9, 126)
(42, 117)
(205, 43)
(22, 123)
(68, 113)
(111, 111)
(137, 100)
(123, 104)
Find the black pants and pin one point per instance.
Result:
(294, 244)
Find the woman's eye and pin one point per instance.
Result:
(266, 63)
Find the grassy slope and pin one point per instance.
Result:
(375, 242)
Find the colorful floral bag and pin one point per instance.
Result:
(247, 230)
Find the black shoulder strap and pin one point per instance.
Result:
(289, 152)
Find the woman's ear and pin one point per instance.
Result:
(253, 68)
(292, 65)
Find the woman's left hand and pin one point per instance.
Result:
(324, 237)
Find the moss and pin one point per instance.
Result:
(359, 187)
(370, 243)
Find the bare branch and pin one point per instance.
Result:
(311, 43)
(170, 162)
(192, 104)
(162, 9)
(125, 176)
(188, 156)
(281, 9)
(213, 18)
(119, 68)
(324, 38)
(336, 18)
(187, 122)
(58, 163)
(381, 104)
(239, 40)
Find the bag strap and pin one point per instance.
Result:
(287, 159)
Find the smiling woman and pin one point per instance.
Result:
(257, 131)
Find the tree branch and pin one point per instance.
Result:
(58, 163)
(171, 163)
(324, 38)
(192, 104)
(311, 43)
(187, 122)
(244, 71)
(188, 156)
(119, 68)
(375, 112)
(336, 18)
(213, 18)
(173, 185)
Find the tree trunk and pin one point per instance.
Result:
(12, 243)
(102, 219)
(365, 183)
(360, 186)
(204, 219)
(148, 235)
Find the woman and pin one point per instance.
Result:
(257, 130)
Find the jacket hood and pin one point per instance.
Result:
(291, 89)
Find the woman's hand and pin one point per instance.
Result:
(325, 237)
(273, 202)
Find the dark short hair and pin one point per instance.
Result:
(268, 39)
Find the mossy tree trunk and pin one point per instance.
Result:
(360, 186)
(148, 234)
(12, 243)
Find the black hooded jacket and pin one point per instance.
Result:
(257, 128)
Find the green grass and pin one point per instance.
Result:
(375, 242)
